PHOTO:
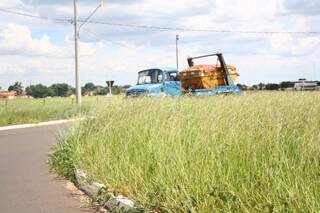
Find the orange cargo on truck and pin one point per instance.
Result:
(205, 76)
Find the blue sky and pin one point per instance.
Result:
(37, 51)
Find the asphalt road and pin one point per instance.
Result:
(26, 185)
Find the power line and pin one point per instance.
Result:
(35, 16)
(208, 30)
(203, 30)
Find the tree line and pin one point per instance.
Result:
(90, 89)
(63, 90)
(270, 86)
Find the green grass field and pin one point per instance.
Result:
(254, 153)
(20, 111)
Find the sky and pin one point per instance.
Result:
(42, 51)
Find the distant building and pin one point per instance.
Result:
(305, 85)
(7, 94)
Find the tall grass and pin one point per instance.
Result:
(19, 111)
(252, 153)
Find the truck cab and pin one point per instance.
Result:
(156, 82)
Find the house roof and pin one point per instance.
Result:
(4, 94)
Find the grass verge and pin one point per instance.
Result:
(258, 152)
(21, 111)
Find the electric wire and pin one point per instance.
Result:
(208, 30)
(35, 16)
(203, 29)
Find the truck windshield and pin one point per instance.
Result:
(150, 77)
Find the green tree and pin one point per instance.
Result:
(272, 86)
(116, 90)
(242, 86)
(100, 90)
(124, 88)
(286, 84)
(39, 91)
(61, 90)
(88, 88)
(261, 86)
(17, 87)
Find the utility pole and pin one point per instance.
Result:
(177, 51)
(76, 48)
(76, 45)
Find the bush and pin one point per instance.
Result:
(39, 91)
(61, 160)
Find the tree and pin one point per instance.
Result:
(286, 84)
(17, 87)
(124, 88)
(100, 90)
(272, 87)
(88, 89)
(242, 86)
(39, 91)
(116, 90)
(61, 90)
(261, 86)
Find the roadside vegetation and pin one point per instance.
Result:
(254, 153)
(21, 111)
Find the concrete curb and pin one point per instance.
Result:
(111, 202)
(49, 123)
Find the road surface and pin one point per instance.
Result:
(26, 185)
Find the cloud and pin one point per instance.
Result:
(64, 2)
(10, 3)
(303, 7)
(17, 39)
(293, 46)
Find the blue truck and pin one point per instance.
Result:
(158, 82)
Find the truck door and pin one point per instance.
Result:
(172, 84)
